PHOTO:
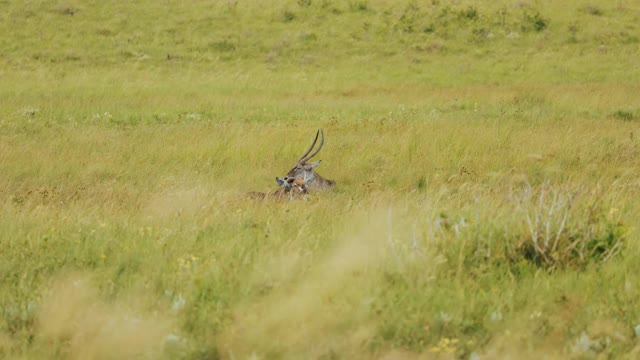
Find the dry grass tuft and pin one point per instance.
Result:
(75, 323)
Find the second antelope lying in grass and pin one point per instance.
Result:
(289, 189)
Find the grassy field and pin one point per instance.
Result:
(486, 156)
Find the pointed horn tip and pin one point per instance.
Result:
(307, 156)
(310, 147)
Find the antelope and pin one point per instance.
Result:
(290, 188)
(305, 171)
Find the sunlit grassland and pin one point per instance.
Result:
(485, 154)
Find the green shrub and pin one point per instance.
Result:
(288, 16)
(624, 115)
(534, 22)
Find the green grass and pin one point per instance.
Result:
(485, 154)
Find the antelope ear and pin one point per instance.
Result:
(315, 164)
(279, 181)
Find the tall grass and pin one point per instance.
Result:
(486, 180)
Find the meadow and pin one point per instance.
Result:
(486, 156)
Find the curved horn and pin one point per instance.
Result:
(303, 159)
(310, 147)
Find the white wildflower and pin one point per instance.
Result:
(445, 317)
(178, 303)
(193, 116)
(172, 338)
(105, 116)
(535, 315)
(29, 111)
(513, 35)
(582, 345)
(496, 316)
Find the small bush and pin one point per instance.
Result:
(359, 5)
(422, 183)
(429, 29)
(67, 10)
(534, 22)
(470, 13)
(562, 235)
(408, 19)
(592, 10)
(624, 115)
(573, 33)
(288, 16)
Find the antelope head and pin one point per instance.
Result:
(305, 171)
(293, 185)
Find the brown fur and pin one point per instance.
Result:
(295, 188)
